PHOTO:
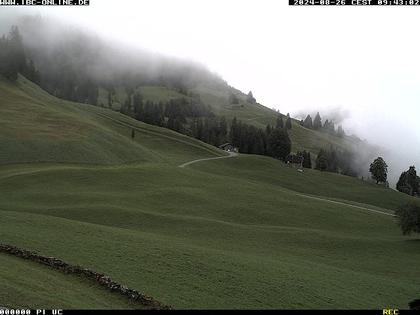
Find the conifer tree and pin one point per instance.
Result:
(12, 53)
(233, 99)
(307, 163)
(408, 182)
(413, 181)
(308, 122)
(268, 130)
(250, 98)
(340, 131)
(321, 162)
(288, 122)
(279, 122)
(223, 128)
(408, 217)
(317, 122)
(279, 144)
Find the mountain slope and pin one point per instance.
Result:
(104, 73)
(225, 233)
(37, 127)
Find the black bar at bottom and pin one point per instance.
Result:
(93, 312)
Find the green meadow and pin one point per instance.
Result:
(28, 285)
(240, 232)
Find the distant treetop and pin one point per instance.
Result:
(250, 98)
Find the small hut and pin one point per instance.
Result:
(228, 147)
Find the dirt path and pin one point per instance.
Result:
(344, 204)
(231, 154)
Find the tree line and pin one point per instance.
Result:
(316, 124)
(195, 119)
(408, 215)
(13, 59)
(408, 183)
(336, 161)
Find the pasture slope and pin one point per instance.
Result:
(216, 95)
(26, 284)
(220, 233)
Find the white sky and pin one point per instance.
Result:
(362, 59)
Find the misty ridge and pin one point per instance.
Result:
(77, 65)
(69, 54)
(390, 139)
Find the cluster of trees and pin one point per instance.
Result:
(60, 81)
(172, 114)
(248, 138)
(193, 118)
(13, 59)
(233, 99)
(302, 157)
(317, 124)
(281, 124)
(250, 98)
(273, 141)
(211, 129)
(408, 217)
(336, 161)
(279, 144)
(81, 91)
(409, 182)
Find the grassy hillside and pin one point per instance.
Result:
(36, 127)
(259, 169)
(255, 114)
(259, 115)
(73, 71)
(239, 232)
(29, 285)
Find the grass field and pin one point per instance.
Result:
(29, 285)
(226, 233)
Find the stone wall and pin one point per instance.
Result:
(105, 281)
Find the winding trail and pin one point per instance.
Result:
(345, 204)
(231, 154)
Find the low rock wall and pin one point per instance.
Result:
(103, 280)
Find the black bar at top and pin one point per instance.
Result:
(354, 2)
(44, 2)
